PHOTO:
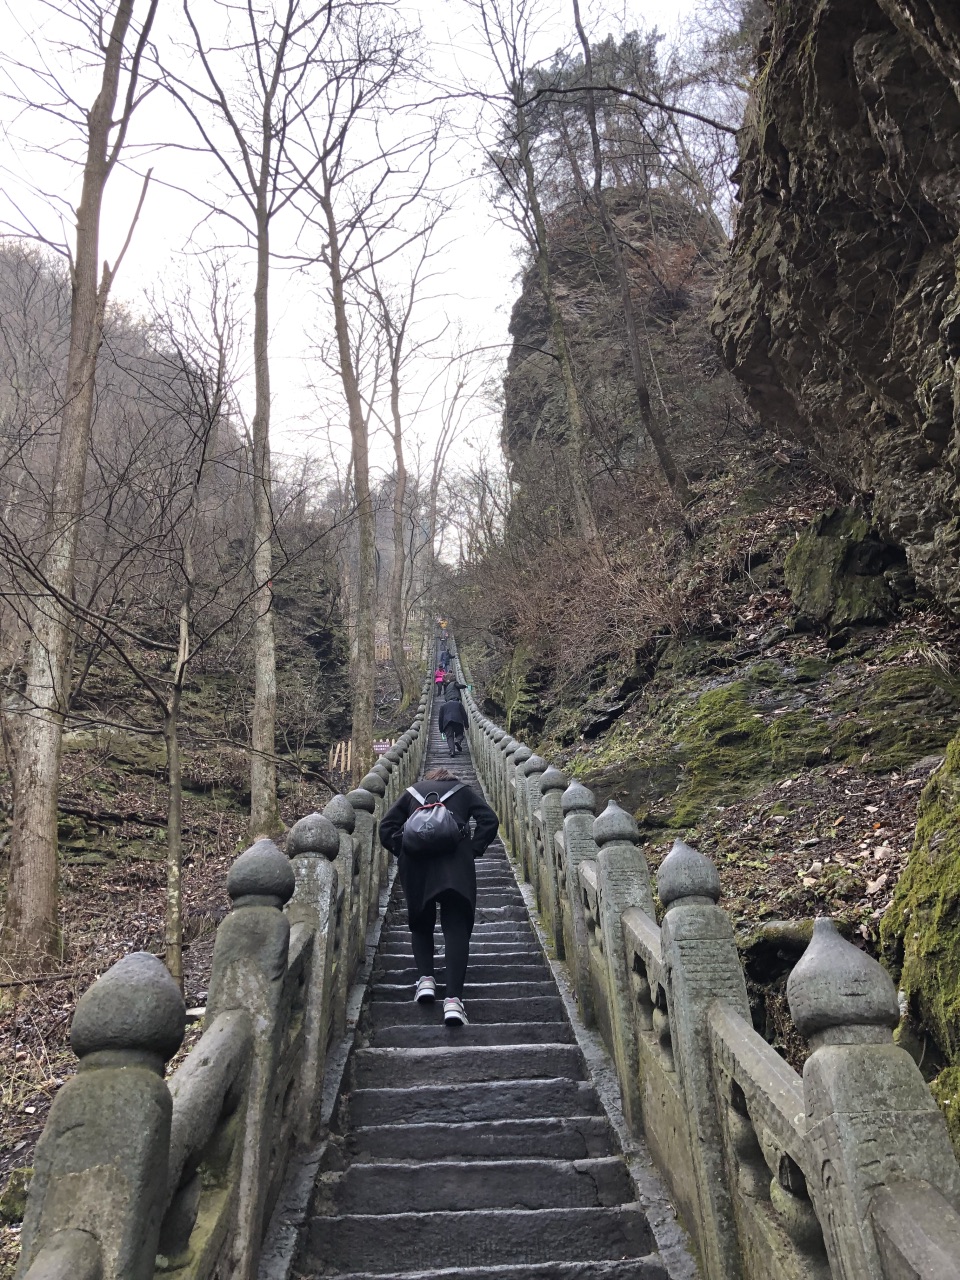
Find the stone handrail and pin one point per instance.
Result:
(847, 1172)
(136, 1175)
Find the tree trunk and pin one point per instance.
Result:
(674, 477)
(397, 618)
(30, 918)
(264, 813)
(365, 668)
(173, 907)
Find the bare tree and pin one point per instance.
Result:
(255, 116)
(35, 727)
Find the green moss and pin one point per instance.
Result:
(920, 932)
(514, 691)
(13, 1200)
(946, 1091)
(835, 571)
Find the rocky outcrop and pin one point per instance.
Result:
(840, 308)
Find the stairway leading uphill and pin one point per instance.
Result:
(478, 1151)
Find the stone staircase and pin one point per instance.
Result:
(479, 1151)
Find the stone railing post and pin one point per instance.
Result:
(340, 812)
(313, 844)
(624, 881)
(579, 808)
(875, 1132)
(374, 783)
(521, 754)
(528, 793)
(504, 750)
(700, 966)
(99, 1186)
(249, 967)
(552, 785)
(364, 837)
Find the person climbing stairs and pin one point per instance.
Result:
(475, 1151)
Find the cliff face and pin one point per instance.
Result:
(840, 307)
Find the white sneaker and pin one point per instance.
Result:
(454, 1014)
(426, 990)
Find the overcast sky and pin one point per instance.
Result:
(476, 282)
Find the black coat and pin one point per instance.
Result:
(424, 878)
(451, 713)
(451, 690)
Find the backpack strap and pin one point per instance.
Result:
(416, 795)
(452, 792)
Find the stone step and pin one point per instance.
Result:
(398, 1242)
(489, 952)
(649, 1268)
(471, 990)
(425, 1037)
(458, 1103)
(478, 971)
(468, 1064)
(392, 1013)
(577, 1137)
(482, 1184)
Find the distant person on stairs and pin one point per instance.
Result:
(438, 678)
(445, 879)
(452, 688)
(453, 721)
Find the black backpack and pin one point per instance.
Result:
(431, 830)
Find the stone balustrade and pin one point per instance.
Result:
(136, 1175)
(845, 1172)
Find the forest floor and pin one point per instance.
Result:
(112, 885)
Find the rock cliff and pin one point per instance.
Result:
(840, 307)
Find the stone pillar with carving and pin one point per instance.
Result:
(107, 1138)
(364, 839)
(623, 878)
(513, 821)
(552, 785)
(528, 789)
(249, 967)
(579, 808)
(340, 812)
(873, 1127)
(313, 844)
(373, 783)
(701, 965)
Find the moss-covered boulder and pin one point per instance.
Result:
(13, 1198)
(921, 930)
(840, 572)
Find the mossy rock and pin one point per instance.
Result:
(13, 1198)
(839, 572)
(145, 754)
(515, 690)
(920, 932)
(946, 1092)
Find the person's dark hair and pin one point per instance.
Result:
(440, 775)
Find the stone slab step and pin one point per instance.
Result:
(469, 1064)
(482, 952)
(577, 1137)
(381, 991)
(393, 1243)
(454, 1104)
(649, 1268)
(476, 972)
(390, 1013)
(482, 1184)
(425, 1037)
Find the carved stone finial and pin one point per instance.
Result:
(360, 798)
(553, 780)
(497, 733)
(578, 799)
(340, 812)
(393, 755)
(373, 783)
(313, 834)
(509, 746)
(383, 769)
(687, 874)
(136, 1006)
(261, 877)
(533, 764)
(615, 824)
(835, 985)
(522, 753)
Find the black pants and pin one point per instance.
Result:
(454, 736)
(456, 921)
